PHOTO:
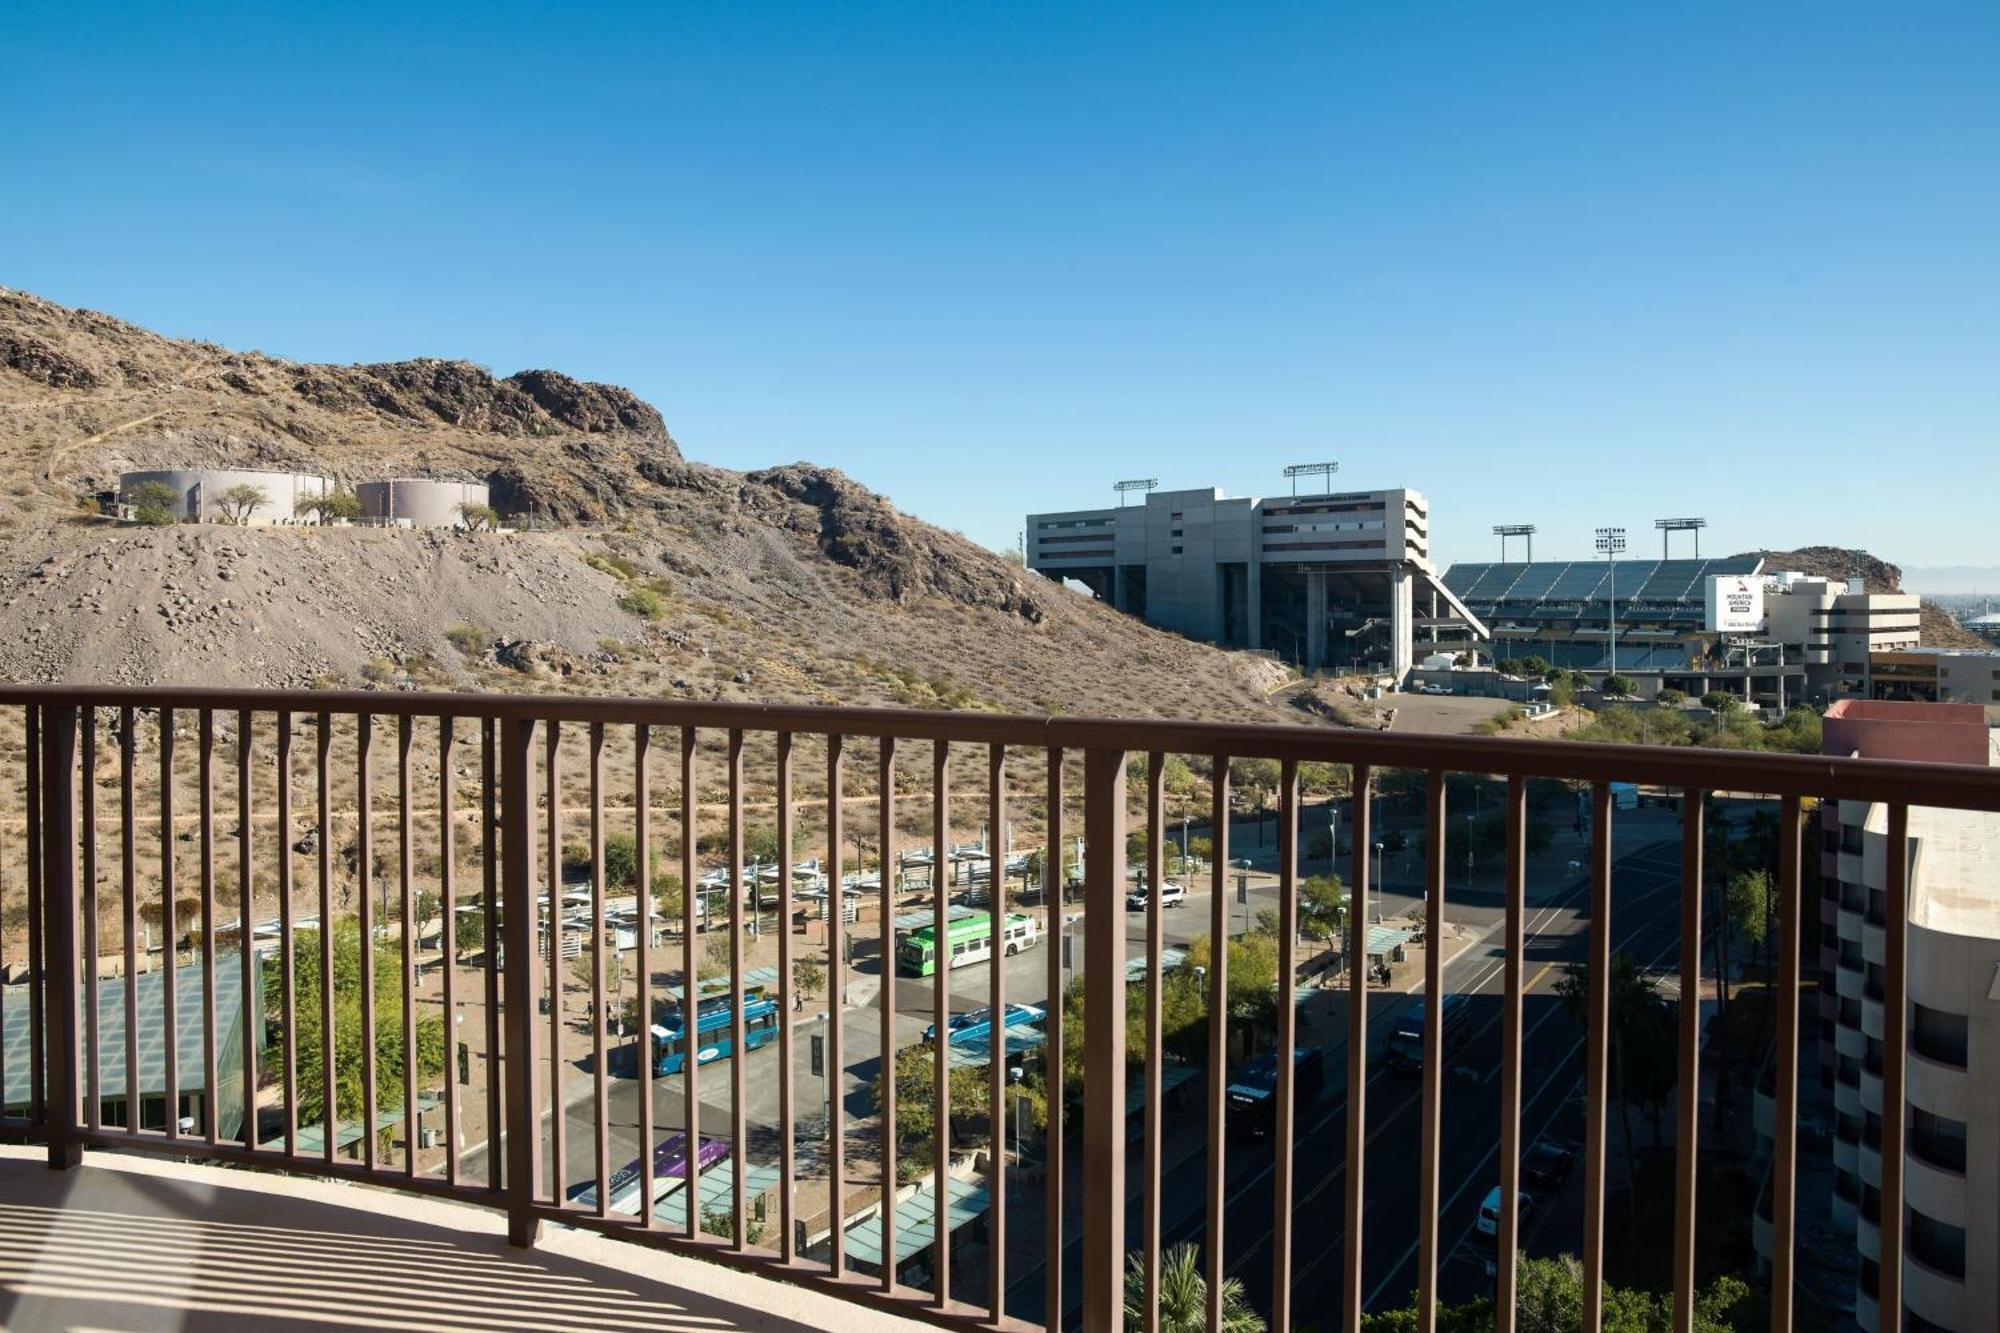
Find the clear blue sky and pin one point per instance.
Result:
(1556, 264)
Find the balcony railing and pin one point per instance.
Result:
(497, 858)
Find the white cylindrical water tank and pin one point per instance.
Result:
(199, 494)
(419, 502)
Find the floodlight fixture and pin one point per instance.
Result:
(1324, 471)
(1135, 484)
(1505, 530)
(1668, 526)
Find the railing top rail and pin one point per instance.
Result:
(1960, 786)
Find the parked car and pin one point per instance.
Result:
(1489, 1210)
(1171, 895)
(1547, 1165)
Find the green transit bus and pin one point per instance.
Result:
(971, 941)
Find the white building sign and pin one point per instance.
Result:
(1733, 604)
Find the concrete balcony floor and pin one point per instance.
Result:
(134, 1243)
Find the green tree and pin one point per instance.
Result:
(348, 1043)
(469, 932)
(1750, 900)
(339, 503)
(916, 1107)
(1619, 687)
(153, 502)
(1549, 1299)
(428, 907)
(1641, 1025)
(239, 502)
(667, 896)
(478, 517)
(621, 861)
(808, 976)
(1322, 908)
(1184, 1295)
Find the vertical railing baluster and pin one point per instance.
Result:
(1216, 1176)
(1357, 1039)
(328, 1039)
(406, 885)
(941, 1014)
(1052, 1066)
(288, 1016)
(523, 1139)
(1430, 1143)
(1156, 887)
(57, 761)
(1785, 1128)
(1895, 1050)
(1507, 1231)
(885, 806)
(1688, 1089)
(169, 930)
(37, 979)
(739, 1132)
(448, 944)
(246, 935)
(93, 1090)
(211, 1087)
(690, 987)
(836, 1000)
(1597, 1052)
(787, 1008)
(364, 727)
(600, 1078)
(997, 851)
(129, 893)
(1104, 1043)
(1287, 1091)
(489, 853)
(552, 895)
(642, 840)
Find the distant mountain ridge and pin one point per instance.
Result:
(791, 583)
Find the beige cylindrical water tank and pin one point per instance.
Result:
(419, 502)
(198, 492)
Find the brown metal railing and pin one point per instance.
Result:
(528, 1087)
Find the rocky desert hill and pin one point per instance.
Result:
(1939, 628)
(647, 573)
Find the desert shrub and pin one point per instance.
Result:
(646, 603)
(469, 639)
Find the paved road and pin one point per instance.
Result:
(1644, 920)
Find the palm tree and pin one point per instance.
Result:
(1184, 1296)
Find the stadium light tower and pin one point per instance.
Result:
(1611, 541)
(1669, 526)
(1324, 471)
(1136, 484)
(1506, 530)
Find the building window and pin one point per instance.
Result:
(1872, 987)
(1938, 1246)
(1938, 1035)
(1871, 1055)
(1937, 1139)
(1849, 1072)
(1850, 1012)
(1916, 1323)
(1878, 907)
(1871, 1276)
(1871, 1130)
(1850, 955)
